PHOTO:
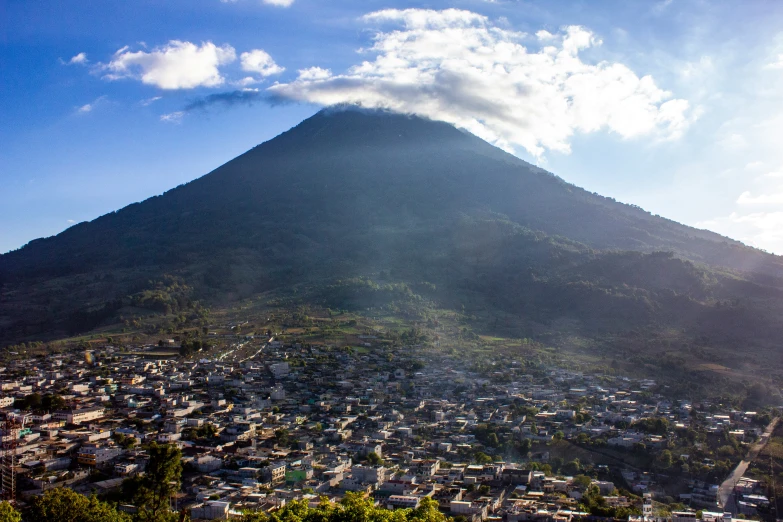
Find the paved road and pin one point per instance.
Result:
(725, 497)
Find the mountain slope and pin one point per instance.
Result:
(350, 193)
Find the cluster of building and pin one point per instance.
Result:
(292, 421)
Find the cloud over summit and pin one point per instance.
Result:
(510, 88)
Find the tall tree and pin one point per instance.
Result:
(152, 492)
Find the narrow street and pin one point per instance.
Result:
(726, 499)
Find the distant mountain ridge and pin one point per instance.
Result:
(351, 193)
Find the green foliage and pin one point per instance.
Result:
(123, 440)
(206, 431)
(167, 296)
(374, 459)
(664, 460)
(656, 425)
(8, 513)
(583, 481)
(353, 508)
(36, 402)
(189, 347)
(482, 458)
(282, 437)
(65, 505)
(572, 468)
(152, 491)
(595, 504)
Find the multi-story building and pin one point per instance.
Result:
(94, 454)
(80, 416)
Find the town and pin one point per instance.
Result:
(264, 419)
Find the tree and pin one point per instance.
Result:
(582, 481)
(374, 459)
(8, 513)
(29, 402)
(282, 437)
(152, 491)
(572, 468)
(492, 440)
(482, 458)
(665, 459)
(52, 402)
(65, 505)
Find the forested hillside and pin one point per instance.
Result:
(349, 203)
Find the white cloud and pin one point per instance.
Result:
(247, 80)
(176, 65)
(314, 73)
(754, 165)
(545, 35)
(85, 108)
(458, 66)
(776, 63)
(773, 198)
(759, 229)
(71, 220)
(79, 59)
(173, 117)
(259, 61)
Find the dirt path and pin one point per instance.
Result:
(725, 497)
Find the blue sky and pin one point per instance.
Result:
(672, 105)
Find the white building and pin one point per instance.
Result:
(80, 416)
(93, 454)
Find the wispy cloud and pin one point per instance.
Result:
(661, 6)
(173, 117)
(226, 99)
(149, 101)
(89, 107)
